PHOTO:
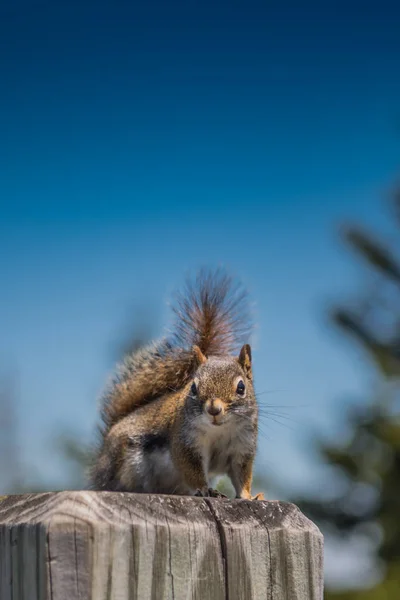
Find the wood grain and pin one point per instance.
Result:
(119, 546)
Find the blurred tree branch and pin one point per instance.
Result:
(369, 460)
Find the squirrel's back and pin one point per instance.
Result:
(211, 313)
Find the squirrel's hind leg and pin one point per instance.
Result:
(149, 467)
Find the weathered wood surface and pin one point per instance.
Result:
(101, 546)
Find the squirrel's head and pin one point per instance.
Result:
(223, 386)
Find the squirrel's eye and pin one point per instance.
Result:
(240, 388)
(193, 388)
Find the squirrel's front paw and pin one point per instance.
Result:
(215, 494)
(209, 493)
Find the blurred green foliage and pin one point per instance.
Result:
(367, 502)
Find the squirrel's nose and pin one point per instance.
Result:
(214, 409)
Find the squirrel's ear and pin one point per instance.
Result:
(199, 355)
(245, 360)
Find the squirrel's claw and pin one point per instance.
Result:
(259, 496)
(209, 493)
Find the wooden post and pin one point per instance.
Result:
(119, 546)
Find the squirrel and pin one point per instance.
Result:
(183, 410)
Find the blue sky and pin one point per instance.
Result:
(139, 142)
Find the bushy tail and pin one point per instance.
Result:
(212, 312)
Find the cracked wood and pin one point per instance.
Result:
(120, 546)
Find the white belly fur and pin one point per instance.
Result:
(222, 445)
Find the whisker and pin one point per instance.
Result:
(262, 423)
(291, 406)
(278, 423)
(264, 435)
(278, 415)
(264, 419)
